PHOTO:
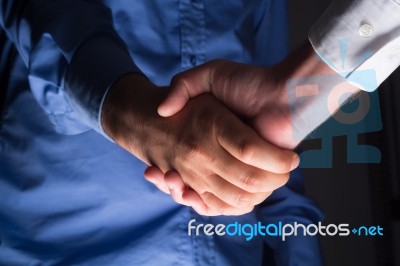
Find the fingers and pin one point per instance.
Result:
(176, 187)
(245, 145)
(239, 175)
(171, 183)
(194, 200)
(155, 176)
(233, 201)
(233, 195)
(184, 195)
(175, 101)
(216, 206)
(207, 203)
(229, 166)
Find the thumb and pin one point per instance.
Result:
(176, 99)
(184, 86)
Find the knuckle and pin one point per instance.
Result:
(247, 151)
(201, 188)
(181, 81)
(284, 162)
(201, 154)
(194, 150)
(178, 80)
(205, 196)
(264, 181)
(250, 182)
(242, 199)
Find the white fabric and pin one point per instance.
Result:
(355, 35)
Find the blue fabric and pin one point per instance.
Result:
(69, 196)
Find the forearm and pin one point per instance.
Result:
(354, 35)
(129, 109)
(72, 53)
(309, 93)
(356, 40)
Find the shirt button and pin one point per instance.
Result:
(193, 60)
(366, 30)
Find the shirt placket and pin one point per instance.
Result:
(193, 32)
(192, 40)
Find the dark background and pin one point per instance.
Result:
(358, 194)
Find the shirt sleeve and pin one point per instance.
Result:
(355, 35)
(72, 53)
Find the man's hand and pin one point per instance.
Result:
(257, 94)
(252, 92)
(223, 160)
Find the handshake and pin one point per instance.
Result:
(219, 139)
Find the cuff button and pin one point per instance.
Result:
(366, 30)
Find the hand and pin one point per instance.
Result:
(172, 183)
(257, 94)
(252, 92)
(223, 160)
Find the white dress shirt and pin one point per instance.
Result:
(357, 35)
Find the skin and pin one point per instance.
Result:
(227, 165)
(260, 96)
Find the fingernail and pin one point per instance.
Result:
(295, 162)
(160, 110)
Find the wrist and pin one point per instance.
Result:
(130, 103)
(307, 85)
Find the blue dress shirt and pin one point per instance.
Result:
(69, 196)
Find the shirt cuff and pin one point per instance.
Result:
(359, 35)
(92, 71)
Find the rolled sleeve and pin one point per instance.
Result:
(73, 55)
(359, 35)
(96, 66)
